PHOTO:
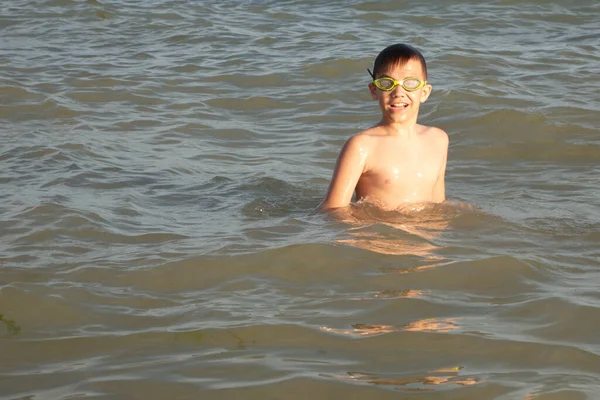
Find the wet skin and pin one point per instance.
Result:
(396, 161)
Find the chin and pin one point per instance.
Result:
(399, 118)
(401, 115)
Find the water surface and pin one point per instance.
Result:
(161, 164)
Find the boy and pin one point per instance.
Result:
(397, 161)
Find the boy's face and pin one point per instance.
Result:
(400, 105)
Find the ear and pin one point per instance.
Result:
(373, 91)
(425, 92)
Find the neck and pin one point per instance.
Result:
(406, 129)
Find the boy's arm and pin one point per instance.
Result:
(439, 190)
(348, 169)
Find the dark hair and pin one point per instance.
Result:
(397, 54)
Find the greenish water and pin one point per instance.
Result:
(161, 163)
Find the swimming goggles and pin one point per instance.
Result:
(388, 84)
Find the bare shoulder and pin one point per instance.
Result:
(436, 135)
(362, 139)
(368, 137)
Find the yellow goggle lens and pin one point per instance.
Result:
(408, 84)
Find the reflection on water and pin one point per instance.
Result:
(392, 294)
(432, 325)
(386, 245)
(419, 383)
(437, 325)
(411, 230)
(395, 294)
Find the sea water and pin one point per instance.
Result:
(160, 166)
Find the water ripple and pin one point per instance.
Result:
(162, 162)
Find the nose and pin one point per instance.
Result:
(398, 90)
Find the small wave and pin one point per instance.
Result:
(551, 319)
(334, 68)
(54, 212)
(100, 82)
(94, 236)
(251, 103)
(262, 208)
(28, 152)
(252, 81)
(92, 97)
(274, 197)
(47, 109)
(11, 94)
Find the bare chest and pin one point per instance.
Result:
(400, 166)
(401, 174)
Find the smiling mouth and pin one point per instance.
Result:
(400, 106)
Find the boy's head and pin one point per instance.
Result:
(399, 83)
(397, 55)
